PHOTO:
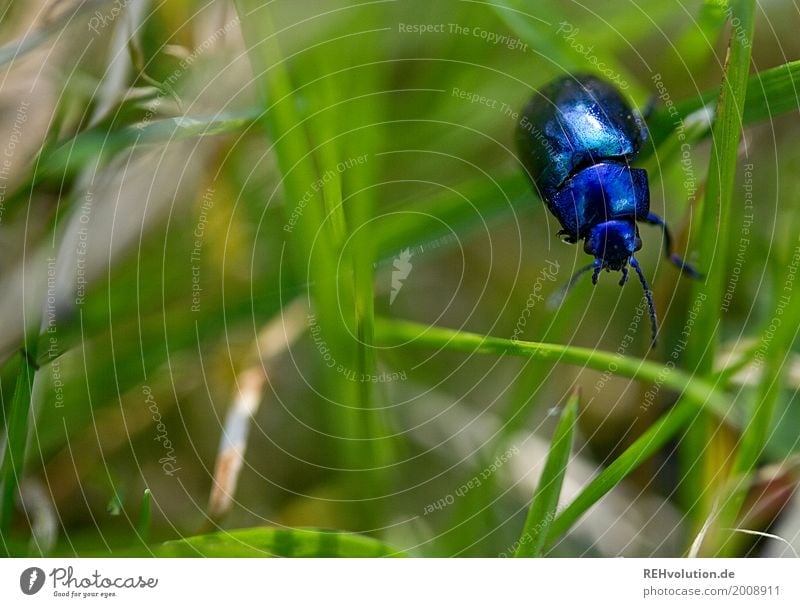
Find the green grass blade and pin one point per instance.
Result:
(391, 332)
(773, 355)
(73, 155)
(714, 224)
(772, 92)
(306, 151)
(16, 439)
(696, 45)
(712, 237)
(655, 437)
(697, 395)
(531, 379)
(323, 123)
(360, 183)
(769, 94)
(351, 234)
(545, 500)
(145, 516)
(310, 243)
(281, 118)
(273, 542)
(66, 159)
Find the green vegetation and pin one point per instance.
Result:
(276, 285)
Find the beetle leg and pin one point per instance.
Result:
(649, 296)
(624, 278)
(597, 267)
(676, 259)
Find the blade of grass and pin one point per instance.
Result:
(60, 160)
(773, 356)
(360, 182)
(309, 243)
(323, 123)
(265, 542)
(364, 442)
(354, 276)
(545, 500)
(711, 238)
(391, 332)
(653, 439)
(697, 395)
(16, 438)
(145, 517)
(305, 157)
(769, 94)
(697, 43)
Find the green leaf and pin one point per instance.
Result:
(545, 500)
(272, 542)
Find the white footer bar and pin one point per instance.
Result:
(401, 582)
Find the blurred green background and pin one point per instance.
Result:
(183, 176)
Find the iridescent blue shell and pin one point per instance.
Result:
(576, 138)
(574, 122)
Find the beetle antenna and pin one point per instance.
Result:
(649, 296)
(557, 298)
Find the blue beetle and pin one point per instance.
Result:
(576, 138)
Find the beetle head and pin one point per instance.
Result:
(613, 243)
